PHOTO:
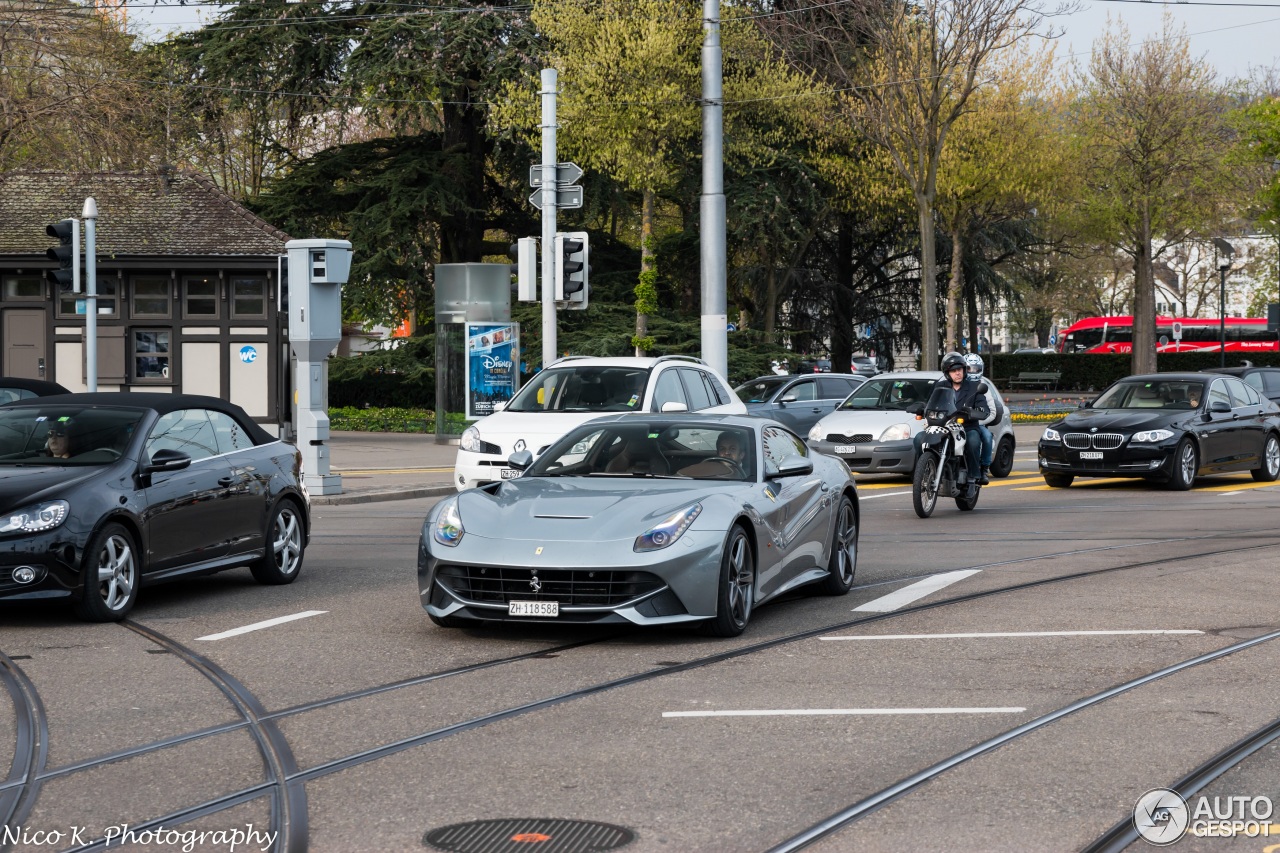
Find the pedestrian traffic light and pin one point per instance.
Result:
(572, 269)
(66, 253)
(525, 270)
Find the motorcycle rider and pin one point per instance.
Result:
(973, 362)
(956, 377)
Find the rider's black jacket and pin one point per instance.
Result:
(970, 399)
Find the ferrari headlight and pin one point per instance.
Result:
(1151, 435)
(815, 432)
(1050, 434)
(470, 440)
(34, 519)
(448, 528)
(657, 538)
(897, 432)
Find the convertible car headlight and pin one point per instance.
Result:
(897, 432)
(470, 440)
(34, 519)
(668, 531)
(1050, 434)
(448, 528)
(1151, 435)
(815, 432)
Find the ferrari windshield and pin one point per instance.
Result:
(1170, 394)
(65, 435)
(582, 388)
(710, 451)
(889, 394)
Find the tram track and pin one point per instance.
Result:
(20, 789)
(291, 777)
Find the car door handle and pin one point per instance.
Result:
(226, 481)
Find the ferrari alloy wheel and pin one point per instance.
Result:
(1185, 465)
(1269, 465)
(924, 495)
(844, 550)
(282, 560)
(737, 591)
(110, 576)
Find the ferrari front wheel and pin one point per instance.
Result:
(735, 595)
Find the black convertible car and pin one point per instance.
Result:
(101, 493)
(1166, 427)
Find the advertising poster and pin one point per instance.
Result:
(493, 351)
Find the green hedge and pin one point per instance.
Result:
(1088, 372)
(352, 419)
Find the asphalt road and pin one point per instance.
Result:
(361, 726)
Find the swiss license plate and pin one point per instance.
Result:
(509, 473)
(1091, 454)
(533, 608)
(846, 448)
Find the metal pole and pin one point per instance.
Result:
(715, 319)
(90, 217)
(1222, 316)
(549, 198)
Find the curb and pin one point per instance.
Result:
(384, 495)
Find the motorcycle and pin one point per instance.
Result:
(941, 468)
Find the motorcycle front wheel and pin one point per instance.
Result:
(923, 493)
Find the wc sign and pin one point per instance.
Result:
(248, 354)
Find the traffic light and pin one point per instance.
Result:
(66, 253)
(572, 269)
(525, 251)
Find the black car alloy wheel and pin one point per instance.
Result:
(285, 542)
(110, 569)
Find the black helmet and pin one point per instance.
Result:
(952, 360)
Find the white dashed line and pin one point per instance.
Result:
(258, 626)
(908, 594)
(1013, 634)
(837, 712)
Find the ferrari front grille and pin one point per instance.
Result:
(570, 587)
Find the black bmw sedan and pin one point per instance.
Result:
(1166, 427)
(103, 493)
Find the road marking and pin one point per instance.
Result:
(1236, 488)
(258, 626)
(919, 589)
(1100, 481)
(885, 495)
(833, 712)
(996, 481)
(1011, 634)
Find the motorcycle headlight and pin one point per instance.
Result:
(815, 432)
(470, 440)
(897, 432)
(34, 519)
(664, 534)
(1050, 434)
(1151, 435)
(448, 528)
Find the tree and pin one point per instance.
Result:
(630, 83)
(921, 64)
(1153, 140)
(68, 97)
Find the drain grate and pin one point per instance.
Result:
(529, 835)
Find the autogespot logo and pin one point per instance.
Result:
(1161, 816)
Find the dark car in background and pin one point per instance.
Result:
(16, 388)
(1265, 380)
(1166, 427)
(103, 493)
(798, 401)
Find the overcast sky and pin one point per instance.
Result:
(1230, 37)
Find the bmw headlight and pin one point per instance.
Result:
(470, 440)
(34, 519)
(448, 528)
(815, 432)
(897, 432)
(659, 537)
(1050, 434)
(1151, 435)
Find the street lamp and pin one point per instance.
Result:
(1225, 253)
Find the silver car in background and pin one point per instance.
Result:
(873, 430)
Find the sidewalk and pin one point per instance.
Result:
(388, 466)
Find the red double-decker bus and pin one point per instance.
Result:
(1115, 334)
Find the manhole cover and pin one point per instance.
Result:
(529, 835)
